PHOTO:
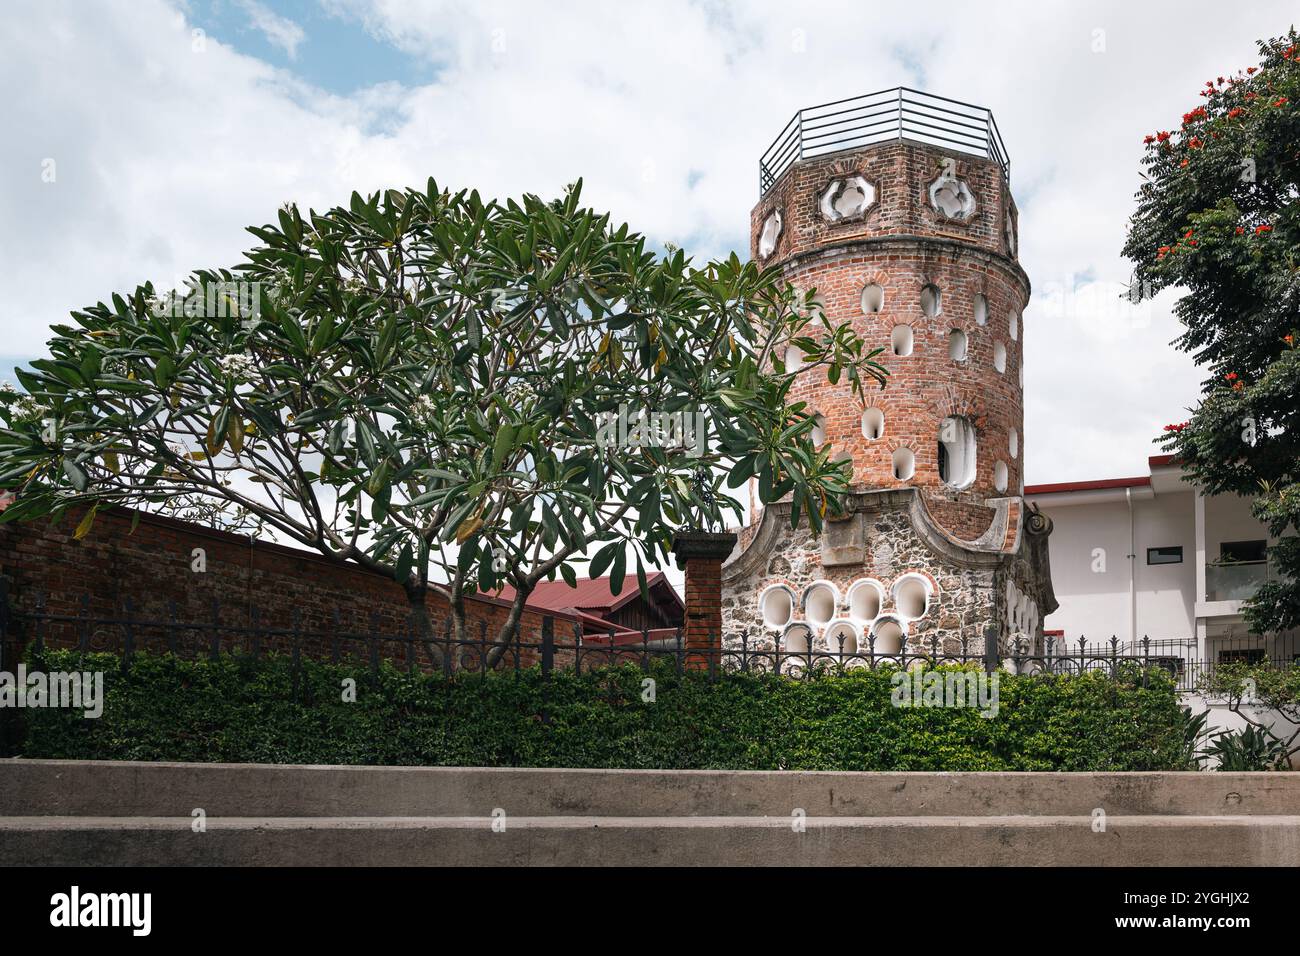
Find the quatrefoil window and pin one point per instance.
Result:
(846, 198)
(952, 198)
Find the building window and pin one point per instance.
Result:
(1243, 552)
(999, 357)
(981, 310)
(957, 345)
(1253, 655)
(1170, 555)
(873, 299)
(904, 464)
(818, 434)
(873, 424)
(931, 300)
(901, 340)
(956, 451)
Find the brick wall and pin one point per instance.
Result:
(153, 568)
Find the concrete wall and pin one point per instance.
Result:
(86, 813)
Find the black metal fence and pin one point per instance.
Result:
(478, 648)
(899, 113)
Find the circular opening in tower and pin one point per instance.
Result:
(1013, 443)
(793, 358)
(818, 434)
(889, 636)
(901, 340)
(865, 600)
(1000, 475)
(873, 299)
(957, 345)
(873, 424)
(777, 606)
(819, 603)
(795, 639)
(842, 638)
(931, 300)
(981, 309)
(957, 451)
(999, 357)
(912, 596)
(1014, 326)
(904, 464)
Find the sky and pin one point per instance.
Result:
(142, 136)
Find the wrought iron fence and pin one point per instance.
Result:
(899, 113)
(478, 650)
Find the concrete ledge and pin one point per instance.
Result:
(103, 788)
(87, 813)
(644, 841)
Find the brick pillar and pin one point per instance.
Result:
(700, 554)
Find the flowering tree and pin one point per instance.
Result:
(1219, 217)
(451, 392)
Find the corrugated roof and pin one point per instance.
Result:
(592, 595)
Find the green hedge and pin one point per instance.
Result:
(237, 710)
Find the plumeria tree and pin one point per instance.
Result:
(454, 393)
(1219, 217)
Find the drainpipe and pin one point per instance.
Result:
(1132, 574)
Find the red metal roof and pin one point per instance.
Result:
(1086, 485)
(593, 595)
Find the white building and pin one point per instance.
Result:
(1151, 557)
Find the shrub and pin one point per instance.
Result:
(237, 710)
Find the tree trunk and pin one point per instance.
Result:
(508, 628)
(424, 631)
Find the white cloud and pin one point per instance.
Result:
(279, 31)
(164, 154)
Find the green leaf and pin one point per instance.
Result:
(76, 474)
(600, 561)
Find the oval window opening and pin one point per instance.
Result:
(842, 638)
(957, 345)
(793, 358)
(912, 597)
(981, 310)
(901, 340)
(931, 300)
(999, 357)
(1000, 476)
(873, 424)
(818, 434)
(889, 637)
(865, 599)
(957, 451)
(795, 639)
(819, 604)
(1013, 443)
(777, 606)
(904, 464)
(873, 299)
(1014, 326)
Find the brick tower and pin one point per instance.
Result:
(894, 212)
